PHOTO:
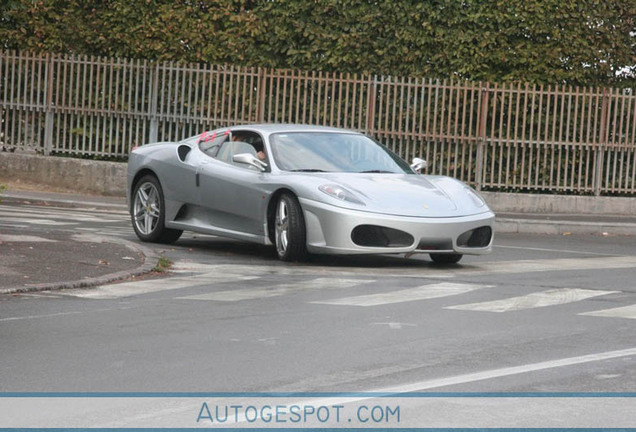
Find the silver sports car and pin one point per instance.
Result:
(303, 189)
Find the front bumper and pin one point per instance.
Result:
(330, 228)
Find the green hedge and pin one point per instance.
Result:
(575, 42)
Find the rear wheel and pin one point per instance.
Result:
(148, 212)
(451, 258)
(289, 229)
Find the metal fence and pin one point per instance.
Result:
(496, 137)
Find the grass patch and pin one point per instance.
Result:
(163, 265)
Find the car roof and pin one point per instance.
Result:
(268, 129)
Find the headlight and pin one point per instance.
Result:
(340, 193)
(475, 197)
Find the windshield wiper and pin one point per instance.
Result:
(377, 171)
(308, 170)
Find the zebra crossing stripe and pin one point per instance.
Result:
(552, 297)
(276, 290)
(129, 289)
(619, 312)
(425, 292)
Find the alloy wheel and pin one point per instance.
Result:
(146, 208)
(282, 227)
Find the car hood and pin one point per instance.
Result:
(407, 194)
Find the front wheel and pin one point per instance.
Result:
(451, 258)
(148, 212)
(289, 229)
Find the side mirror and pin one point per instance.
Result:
(251, 160)
(418, 164)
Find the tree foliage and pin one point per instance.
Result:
(577, 42)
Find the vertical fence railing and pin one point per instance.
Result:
(49, 121)
(498, 137)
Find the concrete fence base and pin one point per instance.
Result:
(565, 204)
(80, 175)
(109, 178)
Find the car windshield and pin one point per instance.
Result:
(333, 152)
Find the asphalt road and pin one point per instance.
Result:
(542, 313)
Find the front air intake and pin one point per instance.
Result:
(477, 238)
(378, 236)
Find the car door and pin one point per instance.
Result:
(233, 195)
(178, 176)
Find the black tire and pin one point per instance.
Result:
(289, 229)
(451, 258)
(148, 212)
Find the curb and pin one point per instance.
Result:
(148, 255)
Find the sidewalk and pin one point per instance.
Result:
(32, 262)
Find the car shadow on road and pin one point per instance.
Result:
(224, 249)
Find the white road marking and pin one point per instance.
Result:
(189, 267)
(552, 297)
(394, 325)
(554, 250)
(619, 312)
(57, 213)
(61, 314)
(24, 238)
(424, 292)
(275, 290)
(107, 232)
(42, 294)
(129, 289)
(420, 386)
(564, 264)
(476, 269)
(508, 371)
(193, 274)
(197, 267)
(36, 221)
(12, 225)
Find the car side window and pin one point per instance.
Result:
(224, 145)
(226, 152)
(233, 148)
(251, 138)
(210, 145)
(243, 142)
